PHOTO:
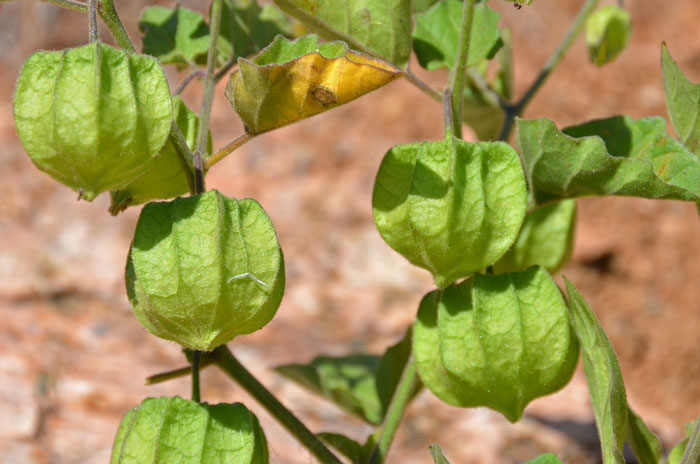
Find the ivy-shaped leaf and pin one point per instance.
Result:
(93, 117)
(683, 102)
(247, 28)
(361, 384)
(608, 30)
(169, 176)
(174, 35)
(380, 28)
(614, 418)
(451, 207)
(436, 34)
(496, 341)
(615, 156)
(169, 430)
(292, 80)
(546, 239)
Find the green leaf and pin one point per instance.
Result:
(608, 31)
(204, 269)
(349, 447)
(436, 453)
(361, 384)
(169, 176)
(496, 341)
(418, 6)
(546, 239)
(548, 458)
(604, 377)
(436, 34)
(247, 28)
(171, 430)
(615, 156)
(451, 207)
(174, 35)
(646, 446)
(93, 117)
(677, 452)
(292, 80)
(683, 102)
(481, 114)
(380, 28)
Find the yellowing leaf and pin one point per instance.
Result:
(292, 80)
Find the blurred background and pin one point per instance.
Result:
(73, 359)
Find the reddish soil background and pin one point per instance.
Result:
(73, 358)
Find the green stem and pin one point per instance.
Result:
(195, 376)
(458, 72)
(228, 149)
(177, 373)
(189, 78)
(550, 65)
(692, 450)
(208, 97)
(427, 89)
(116, 28)
(93, 35)
(402, 396)
(225, 360)
(448, 113)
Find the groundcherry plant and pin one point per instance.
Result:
(490, 221)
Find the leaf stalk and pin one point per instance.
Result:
(457, 76)
(228, 363)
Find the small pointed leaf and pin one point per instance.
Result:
(604, 377)
(204, 269)
(450, 207)
(93, 117)
(438, 456)
(548, 458)
(436, 34)
(675, 456)
(645, 445)
(174, 35)
(608, 31)
(247, 27)
(546, 239)
(683, 102)
(615, 156)
(169, 430)
(380, 28)
(290, 81)
(169, 175)
(496, 341)
(361, 384)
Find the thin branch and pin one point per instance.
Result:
(402, 396)
(426, 88)
(195, 376)
(69, 5)
(208, 98)
(177, 373)
(457, 76)
(448, 113)
(556, 57)
(116, 28)
(228, 149)
(227, 362)
(93, 35)
(199, 73)
(225, 68)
